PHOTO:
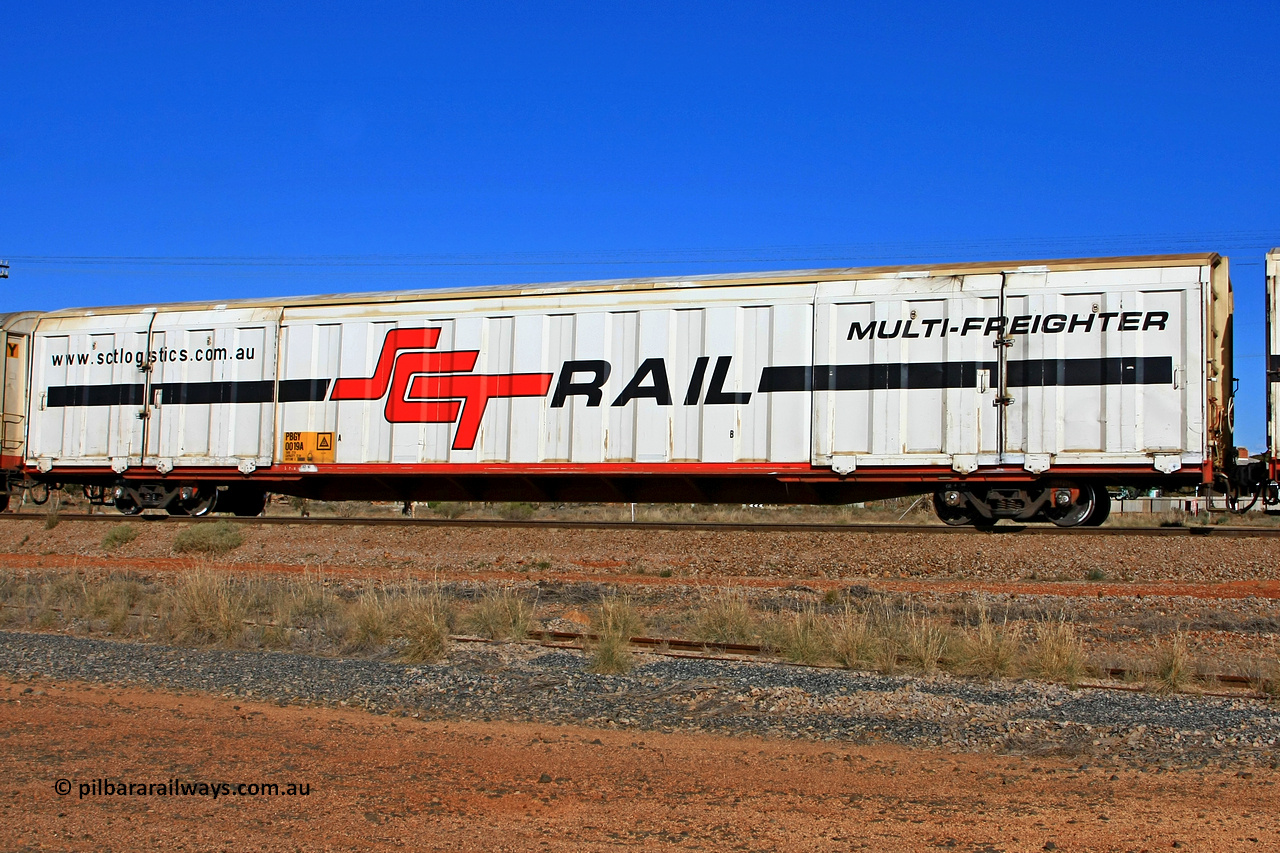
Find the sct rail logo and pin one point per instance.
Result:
(424, 387)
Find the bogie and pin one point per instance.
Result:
(1063, 504)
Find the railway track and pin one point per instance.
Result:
(705, 650)
(711, 650)
(1216, 531)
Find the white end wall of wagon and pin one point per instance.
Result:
(1273, 352)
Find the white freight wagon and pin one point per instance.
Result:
(1009, 390)
(1273, 372)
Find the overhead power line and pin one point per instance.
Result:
(394, 264)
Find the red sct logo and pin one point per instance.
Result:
(436, 387)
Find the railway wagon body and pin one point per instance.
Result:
(1273, 373)
(1008, 390)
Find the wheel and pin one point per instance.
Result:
(4, 501)
(954, 516)
(127, 507)
(1077, 512)
(1102, 510)
(196, 508)
(204, 506)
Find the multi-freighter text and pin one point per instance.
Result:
(1022, 324)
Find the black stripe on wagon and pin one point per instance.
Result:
(302, 390)
(1155, 370)
(208, 393)
(67, 396)
(171, 394)
(188, 393)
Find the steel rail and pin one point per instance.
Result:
(707, 650)
(713, 651)
(1216, 531)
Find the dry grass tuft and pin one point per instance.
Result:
(617, 616)
(308, 599)
(368, 623)
(728, 618)
(611, 655)
(206, 609)
(63, 589)
(220, 537)
(1263, 675)
(1057, 654)
(501, 615)
(805, 637)
(424, 621)
(121, 534)
(925, 643)
(299, 613)
(887, 647)
(122, 603)
(853, 642)
(989, 649)
(1172, 672)
(22, 598)
(614, 623)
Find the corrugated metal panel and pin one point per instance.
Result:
(1098, 368)
(88, 389)
(1273, 353)
(203, 361)
(657, 381)
(165, 389)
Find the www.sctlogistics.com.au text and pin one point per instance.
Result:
(180, 788)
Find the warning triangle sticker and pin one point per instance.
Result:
(324, 441)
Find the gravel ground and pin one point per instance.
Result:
(531, 683)
(688, 554)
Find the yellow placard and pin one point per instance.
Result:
(308, 447)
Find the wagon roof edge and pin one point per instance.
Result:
(661, 283)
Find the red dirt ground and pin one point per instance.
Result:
(381, 783)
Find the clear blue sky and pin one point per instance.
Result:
(168, 152)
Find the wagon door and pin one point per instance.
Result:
(212, 394)
(897, 380)
(88, 388)
(1096, 369)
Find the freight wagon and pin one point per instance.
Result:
(1273, 376)
(1012, 390)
